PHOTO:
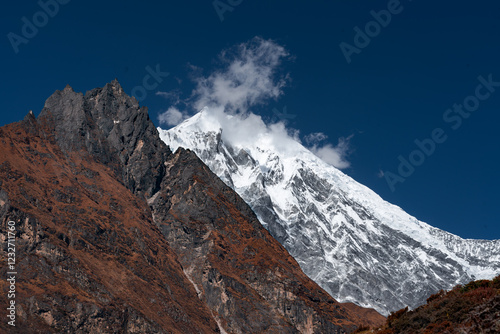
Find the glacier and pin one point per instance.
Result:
(355, 245)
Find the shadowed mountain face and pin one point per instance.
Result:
(114, 233)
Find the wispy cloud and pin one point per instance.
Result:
(334, 155)
(315, 138)
(172, 117)
(173, 96)
(249, 78)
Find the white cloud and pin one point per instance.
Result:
(249, 77)
(172, 96)
(249, 131)
(334, 155)
(172, 117)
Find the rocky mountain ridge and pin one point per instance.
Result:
(115, 233)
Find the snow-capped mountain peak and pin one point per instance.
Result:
(354, 244)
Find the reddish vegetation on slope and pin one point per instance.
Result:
(472, 308)
(86, 246)
(369, 316)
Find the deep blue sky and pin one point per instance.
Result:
(394, 91)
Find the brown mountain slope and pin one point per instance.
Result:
(89, 257)
(230, 257)
(117, 234)
(473, 308)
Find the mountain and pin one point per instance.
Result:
(355, 245)
(114, 233)
(471, 308)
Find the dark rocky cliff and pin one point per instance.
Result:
(111, 127)
(115, 233)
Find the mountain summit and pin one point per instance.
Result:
(355, 245)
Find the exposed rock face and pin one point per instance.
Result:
(115, 234)
(89, 257)
(110, 126)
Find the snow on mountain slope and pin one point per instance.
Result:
(354, 244)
